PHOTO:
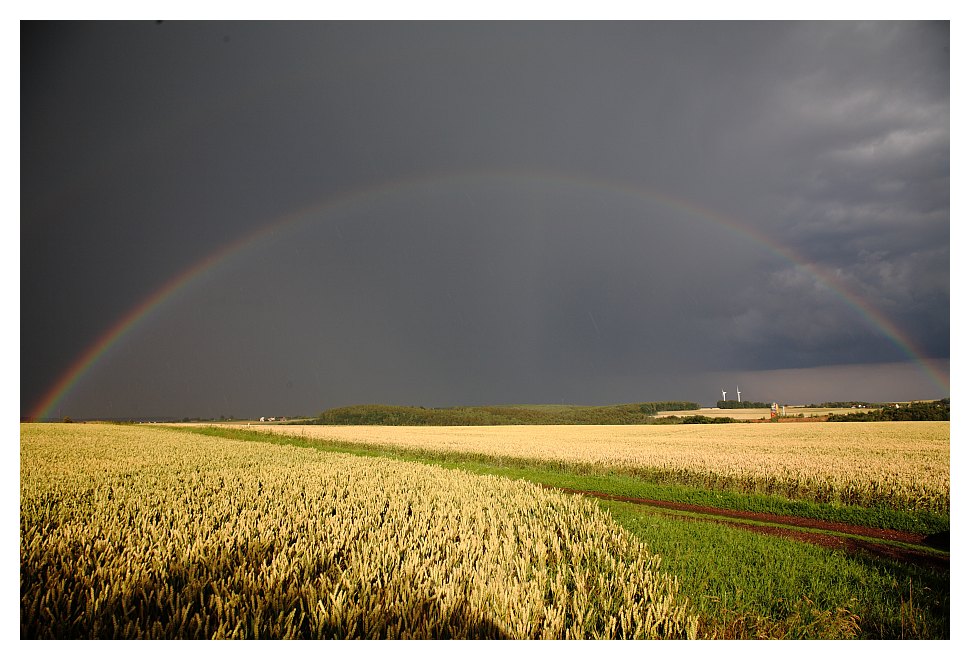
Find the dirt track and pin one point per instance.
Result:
(745, 520)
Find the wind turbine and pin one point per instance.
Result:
(739, 395)
(724, 395)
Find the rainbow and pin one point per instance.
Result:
(124, 325)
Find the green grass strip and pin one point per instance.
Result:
(747, 585)
(713, 517)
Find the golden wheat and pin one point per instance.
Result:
(131, 532)
(905, 464)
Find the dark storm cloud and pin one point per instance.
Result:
(146, 147)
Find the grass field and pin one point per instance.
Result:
(747, 586)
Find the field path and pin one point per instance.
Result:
(769, 525)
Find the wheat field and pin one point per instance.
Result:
(134, 532)
(759, 413)
(898, 464)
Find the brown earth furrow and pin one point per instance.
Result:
(857, 530)
(849, 545)
(852, 546)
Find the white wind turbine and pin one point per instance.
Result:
(739, 395)
(724, 395)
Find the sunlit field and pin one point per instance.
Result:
(790, 412)
(899, 464)
(131, 532)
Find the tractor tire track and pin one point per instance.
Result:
(746, 520)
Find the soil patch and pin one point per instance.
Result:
(815, 537)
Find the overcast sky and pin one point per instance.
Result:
(483, 213)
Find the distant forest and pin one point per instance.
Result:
(382, 415)
(916, 411)
(733, 405)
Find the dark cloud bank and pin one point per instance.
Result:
(550, 216)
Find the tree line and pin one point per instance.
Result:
(731, 405)
(915, 411)
(385, 415)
